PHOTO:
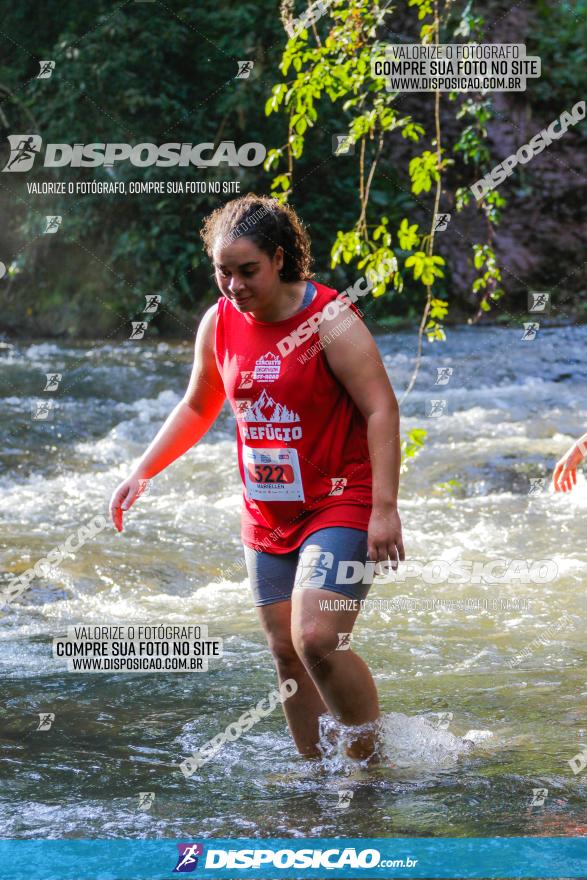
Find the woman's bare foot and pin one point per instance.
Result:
(365, 746)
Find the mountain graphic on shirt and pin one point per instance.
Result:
(265, 409)
(270, 357)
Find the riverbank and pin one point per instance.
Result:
(19, 327)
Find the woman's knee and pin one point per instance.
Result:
(283, 651)
(314, 643)
(276, 621)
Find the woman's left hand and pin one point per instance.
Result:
(384, 536)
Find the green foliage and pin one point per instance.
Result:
(448, 489)
(423, 170)
(559, 36)
(436, 315)
(144, 72)
(408, 235)
(130, 74)
(426, 268)
(486, 284)
(333, 61)
(411, 447)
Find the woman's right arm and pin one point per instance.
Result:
(186, 424)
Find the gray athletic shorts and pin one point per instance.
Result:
(324, 560)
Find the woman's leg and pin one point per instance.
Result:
(341, 676)
(303, 708)
(272, 578)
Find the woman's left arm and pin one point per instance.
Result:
(356, 362)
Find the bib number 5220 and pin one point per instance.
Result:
(273, 474)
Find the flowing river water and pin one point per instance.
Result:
(484, 702)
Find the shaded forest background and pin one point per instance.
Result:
(165, 71)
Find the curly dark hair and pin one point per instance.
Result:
(269, 223)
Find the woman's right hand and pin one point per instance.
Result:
(565, 471)
(124, 496)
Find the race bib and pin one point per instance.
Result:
(273, 474)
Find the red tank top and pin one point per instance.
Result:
(302, 441)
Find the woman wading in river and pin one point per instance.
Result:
(318, 452)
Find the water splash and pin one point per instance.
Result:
(403, 741)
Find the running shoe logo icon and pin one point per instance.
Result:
(23, 150)
(47, 68)
(539, 796)
(344, 799)
(538, 302)
(338, 485)
(188, 857)
(313, 566)
(46, 719)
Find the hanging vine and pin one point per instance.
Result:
(339, 66)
